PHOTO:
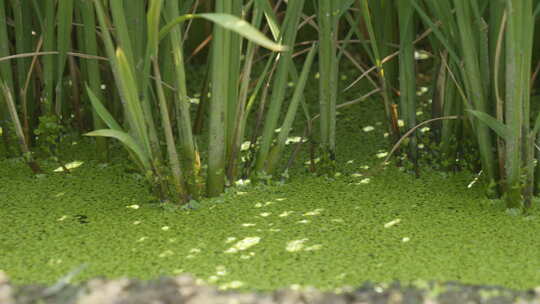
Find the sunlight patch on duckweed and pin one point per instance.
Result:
(422, 90)
(313, 248)
(70, 166)
(316, 160)
(314, 212)
(244, 244)
(231, 285)
(292, 140)
(392, 223)
(368, 128)
(54, 262)
(364, 181)
(421, 55)
(245, 146)
(221, 270)
(381, 154)
(166, 253)
(248, 225)
(286, 213)
(242, 182)
(247, 256)
(296, 245)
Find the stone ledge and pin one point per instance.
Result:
(184, 289)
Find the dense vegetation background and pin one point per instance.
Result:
(111, 70)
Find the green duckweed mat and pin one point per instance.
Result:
(309, 231)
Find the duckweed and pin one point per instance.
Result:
(310, 231)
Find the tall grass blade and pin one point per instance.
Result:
(65, 20)
(286, 127)
(290, 24)
(407, 72)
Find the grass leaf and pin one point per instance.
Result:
(500, 128)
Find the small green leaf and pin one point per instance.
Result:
(128, 142)
(500, 128)
(536, 125)
(102, 111)
(232, 23)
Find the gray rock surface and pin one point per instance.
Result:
(184, 289)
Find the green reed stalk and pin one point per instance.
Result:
(23, 44)
(140, 74)
(407, 73)
(476, 79)
(136, 19)
(452, 105)
(121, 29)
(65, 20)
(377, 50)
(154, 14)
(519, 142)
(5, 74)
(328, 86)
(288, 38)
(8, 97)
(93, 75)
(497, 26)
(128, 91)
(464, 36)
(277, 150)
(49, 44)
(190, 155)
(178, 179)
(234, 69)
(242, 111)
(217, 141)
